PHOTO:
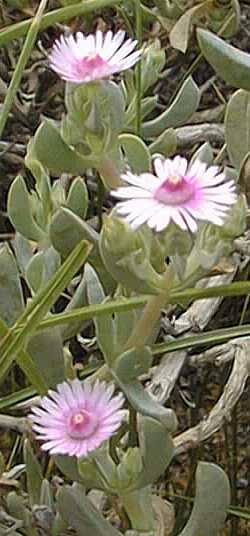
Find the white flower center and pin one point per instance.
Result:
(175, 191)
(82, 424)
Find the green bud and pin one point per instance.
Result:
(175, 241)
(128, 470)
(95, 118)
(152, 63)
(127, 256)
(97, 471)
(209, 247)
(133, 363)
(89, 474)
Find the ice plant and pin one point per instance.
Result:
(178, 193)
(83, 59)
(77, 418)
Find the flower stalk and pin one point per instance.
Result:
(151, 314)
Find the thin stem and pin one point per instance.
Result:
(21, 64)
(18, 424)
(220, 154)
(53, 17)
(12, 342)
(138, 67)
(151, 314)
(116, 306)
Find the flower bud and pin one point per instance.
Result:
(126, 474)
(95, 117)
(128, 256)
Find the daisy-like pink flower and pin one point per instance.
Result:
(83, 59)
(77, 418)
(177, 193)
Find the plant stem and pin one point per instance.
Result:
(21, 64)
(151, 314)
(117, 306)
(138, 67)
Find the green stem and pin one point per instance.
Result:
(21, 64)
(116, 306)
(138, 67)
(217, 336)
(26, 363)
(150, 315)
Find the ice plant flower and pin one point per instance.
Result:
(178, 193)
(83, 59)
(77, 418)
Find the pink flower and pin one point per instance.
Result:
(83, 59)
(177, 193)
(77, 418)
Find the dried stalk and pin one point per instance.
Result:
(17, 424)
(229, 398)
(192, 134)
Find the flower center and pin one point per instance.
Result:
(91, 66)
(81, 424)
(175, 190)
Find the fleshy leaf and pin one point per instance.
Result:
(231, 63)
(126, 369)
(34, 474)
(77, 198)
(81, 515)
(46, 496)
(46, 350)
(67, 230)
(48, 142)
(212, 500)
(42, 266)
(165, 144)
(204, 154)
(237, 126)
(11, 297)
(179, 34)
(132, 363)
(136, 152)
(20, 211)
(184, 105)
(156, 449)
